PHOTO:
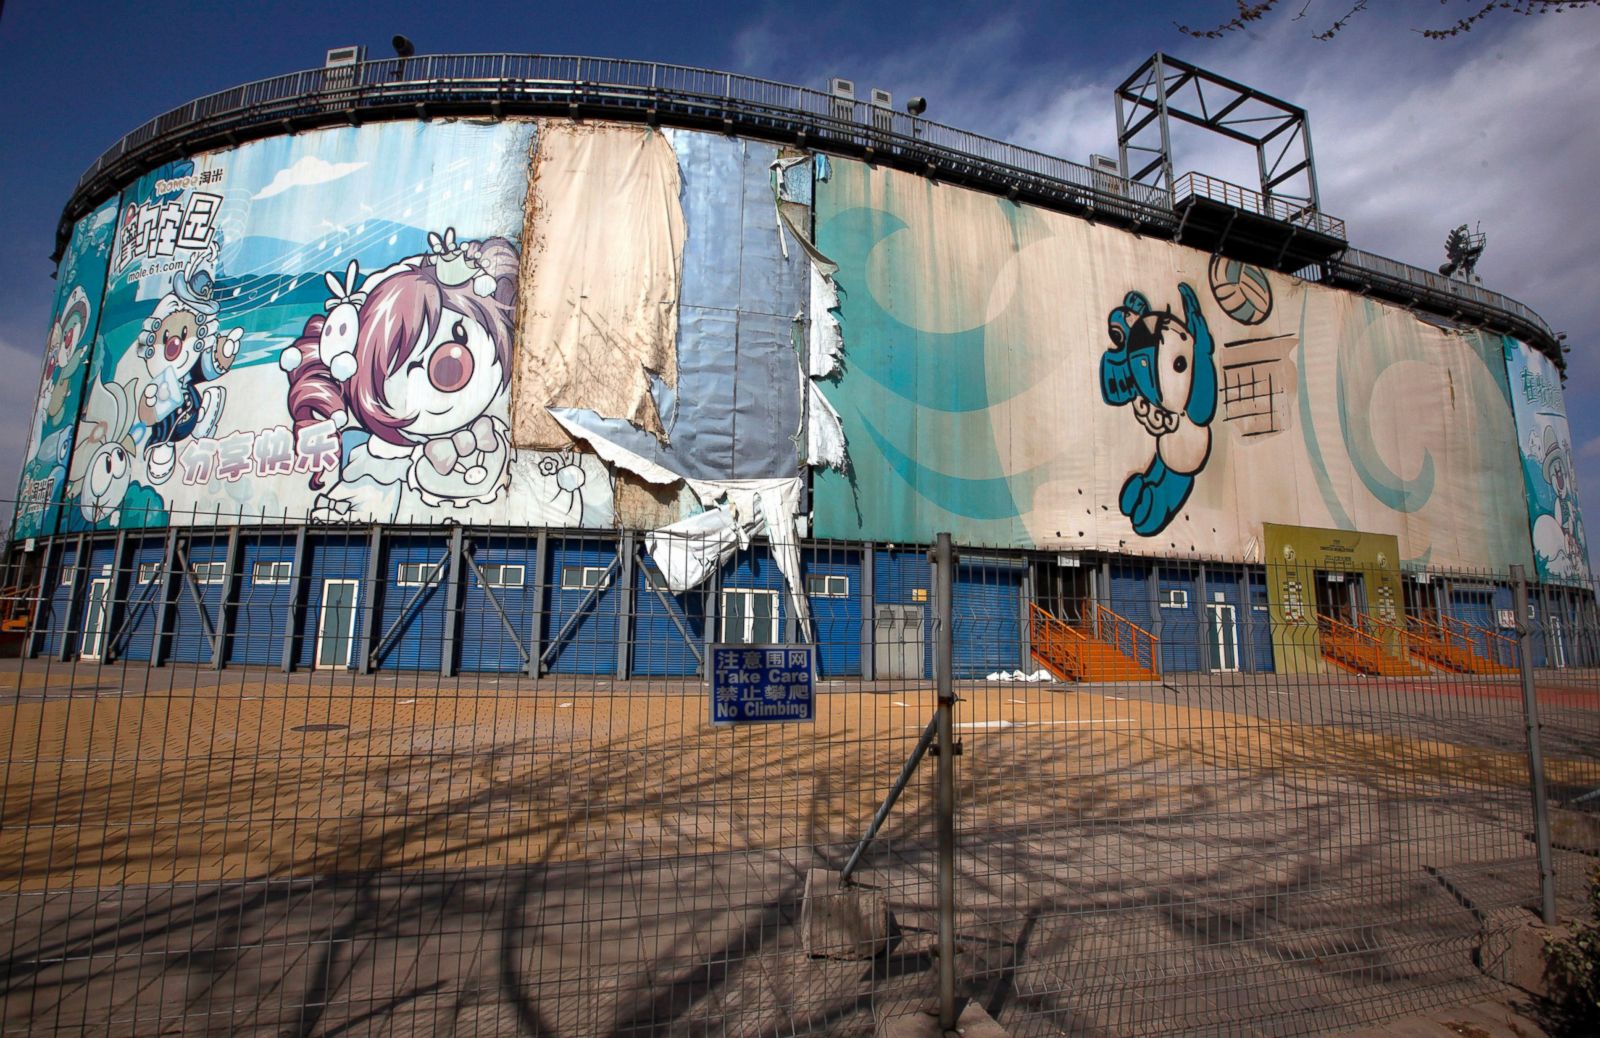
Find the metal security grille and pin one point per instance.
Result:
(287, 779)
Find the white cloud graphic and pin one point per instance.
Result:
(306, 172)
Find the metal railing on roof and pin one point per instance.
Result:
(649, 89)
(509, 83)
(1446, 296)
(1200, 185)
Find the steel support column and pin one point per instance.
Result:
(74, 601)
(452, 599)
(869, 609)
(229, 604)
(367, 611)
(298, 579)
(169, 563)
(536, 634)
(119, 566)
(625, 606)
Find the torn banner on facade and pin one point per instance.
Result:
(603, 247)
(744, 415)
(689, 551)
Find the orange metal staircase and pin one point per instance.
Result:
(16, 613)
(1459, 647)
(1361, 652)
(1106, 647)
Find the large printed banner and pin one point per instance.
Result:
(320, 325)
(1559, 549)
(79, 283)
(590, 324)
(1028, 379)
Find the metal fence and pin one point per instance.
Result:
(287, 779)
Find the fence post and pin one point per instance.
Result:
(1530, 715)
(944, 568)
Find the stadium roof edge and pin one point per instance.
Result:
(583, 87)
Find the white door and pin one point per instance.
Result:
(749, 616)
(1224, 637)
(336, 625)
(94, 618)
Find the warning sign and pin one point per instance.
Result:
(763, 684)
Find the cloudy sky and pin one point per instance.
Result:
(1412, 136)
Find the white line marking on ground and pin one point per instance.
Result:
(1004, 723)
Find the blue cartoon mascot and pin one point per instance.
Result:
(1163, 367)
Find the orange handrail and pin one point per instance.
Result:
(1331, 626)
(1056, 641)
(1496, 646)
(15, 611)
(1141, 644)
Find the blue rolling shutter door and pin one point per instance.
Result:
(333, 555)
(486, 645)
(417, 642)
(837, 621)
(591, 645)
(1181, 646)
(258, 617)
(1130, 593)
(136, 620)
(1260, 620)
(987, 631)
(191, 635)
(1474, 606)
(57, 618)
(659, 648)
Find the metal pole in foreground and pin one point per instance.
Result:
(1530, 714)
(944, 569)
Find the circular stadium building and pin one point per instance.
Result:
(561, 365)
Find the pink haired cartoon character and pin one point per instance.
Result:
(414, 366)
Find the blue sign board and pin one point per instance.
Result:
(763, 684)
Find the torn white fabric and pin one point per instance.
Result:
(690, 550)
(778, 506)
(824, 431)
(751, 505)
(826, 340)
(737, 509)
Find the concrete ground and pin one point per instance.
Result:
(192, 851)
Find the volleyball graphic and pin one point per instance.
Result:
(1241, 290)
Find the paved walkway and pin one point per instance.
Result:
(191, 851)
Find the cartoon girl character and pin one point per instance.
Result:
(1164, 367)
(414, 366)
(181, 349)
